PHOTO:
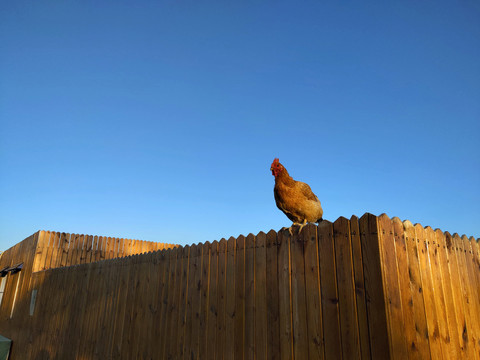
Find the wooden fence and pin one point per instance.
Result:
(368, 288)
(56, 249)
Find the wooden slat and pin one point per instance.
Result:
(428, 294)
(190, 332)
(329, 291)
(374, 289)
(438, 292)
(299, 306)
(453, 328)
(212, 307)
(466, 341)
(392, 288)
(360, 288)
(230, 300)
(64, 246)
(470, 291)
(346, 290)
(415, 351)
(249, 322)
(180, 280)
(239, 319)
(221, 300)
(204, 301)
(273, 317)
(284, 294)
(41, 248)
(316, 346)
(181, 327)
(261, 296)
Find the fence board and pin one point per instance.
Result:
(239, 323)
(346, 289)
(273, 316)
(284, 294)
(212, 307)
(298, 304)
(470, 291)
(438, 292)
(407, 303)
(440, 252)
(392, 288)
(175, 306)
(65, 243)
(359, 288)
(203, 303)
(316, 346)
(261, 296)
(428, 294)
(221, 300)
(374, 290)
(329, 291)
(249, 319)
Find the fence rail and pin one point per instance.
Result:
(368, 288)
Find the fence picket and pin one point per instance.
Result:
(329, 291)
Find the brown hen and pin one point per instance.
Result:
(295, 198)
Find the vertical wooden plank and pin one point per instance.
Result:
(438, 291)
(392, 289)
(416, 289)
(415, 351)
(92, 257)
(182, 311)
(159, 306)
(360, 288)
(470, 290)
(249, 345)
(78, 253)
(65, 242)
(48, 239)
(475, 248)
(454, 339)
(204, 302)
(329, 291)
(374, 289)
(316, 346)
(72, 249)
(273, 316)
(428, 294)
(192, 325)
(284, 295)
(299, 306)
(239, 298)
(171, 345)
(41, 247)
(88, 249)
(221, 300)
(346, 289)
(168, 296)
(466, 341)
(212, 308)
(261, 296)
(55, 251)
(230, 336)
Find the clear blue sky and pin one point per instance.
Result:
(158, 120)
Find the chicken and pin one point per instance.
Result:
(295, 198)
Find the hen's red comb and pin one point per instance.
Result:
(275, 161)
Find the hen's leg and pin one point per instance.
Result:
(302, 225)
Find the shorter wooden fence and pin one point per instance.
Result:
(368, 288)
